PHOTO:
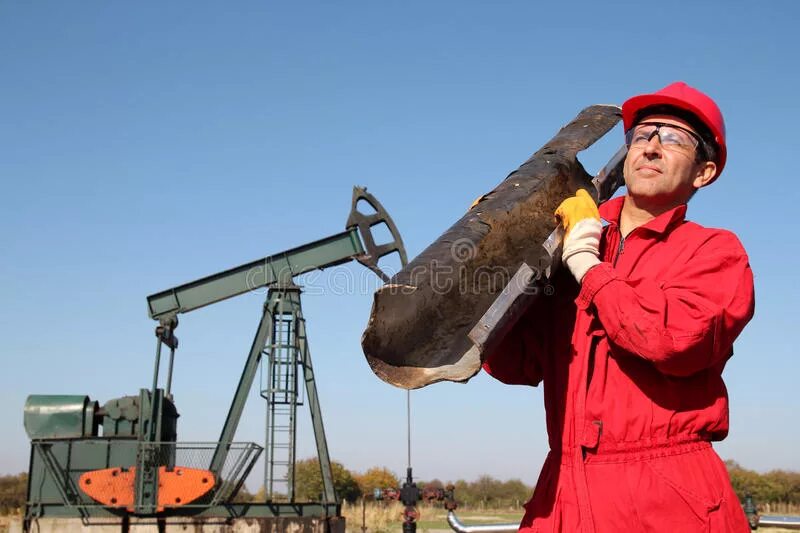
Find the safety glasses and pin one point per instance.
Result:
(669, 135)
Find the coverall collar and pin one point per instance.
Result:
(612, 209)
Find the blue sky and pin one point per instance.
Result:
(144, 145)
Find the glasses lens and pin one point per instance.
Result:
(640, 134)
(668, 135)
(676, 137)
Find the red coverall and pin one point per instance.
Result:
(631, 362)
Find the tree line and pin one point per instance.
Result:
(352, 486)
(777, 489)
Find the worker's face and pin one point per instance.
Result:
(665, 175)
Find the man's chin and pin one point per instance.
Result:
(644, 190)
(648, 196)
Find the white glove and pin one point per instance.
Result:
(581, 221)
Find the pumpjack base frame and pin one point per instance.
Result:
(255, 518)
(224, 512)
(244, 517)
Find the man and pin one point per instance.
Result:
(631, 355)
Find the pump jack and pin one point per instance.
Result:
(136, 468)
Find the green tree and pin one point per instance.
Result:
(777, 486)
(308, 481)
(514, 493)
(465, 494)
(487, 489)
(489, 492)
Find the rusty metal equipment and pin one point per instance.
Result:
(419, 328)
(410, 494)
(123, 460)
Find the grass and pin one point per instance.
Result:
(388, 517)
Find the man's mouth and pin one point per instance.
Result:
(650, 168)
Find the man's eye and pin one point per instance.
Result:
(640, 136)
(673, 137)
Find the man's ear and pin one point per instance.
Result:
(706, 173)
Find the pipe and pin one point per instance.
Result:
(418, 328)
(786, 522)
(456, 524)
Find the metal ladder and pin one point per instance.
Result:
(282, 395)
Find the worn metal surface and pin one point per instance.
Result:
(365, 222)
(417, 331)
(522, 291)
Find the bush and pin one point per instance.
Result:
(13, 491)
(376, 478)
(308, 481)
(777, 486)
(487, 491)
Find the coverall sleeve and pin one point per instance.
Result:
(517, 359)
(512, 363)
(684, 324)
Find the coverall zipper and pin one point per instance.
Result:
(620, 248)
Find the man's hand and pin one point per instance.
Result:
(582, 226)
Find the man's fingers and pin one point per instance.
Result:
(583, 193)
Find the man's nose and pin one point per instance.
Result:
(653, 146)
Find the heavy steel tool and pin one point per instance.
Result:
(419, 328)
(524, 287)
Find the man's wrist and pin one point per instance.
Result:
(579, 263)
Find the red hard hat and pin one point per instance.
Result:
(689, 99)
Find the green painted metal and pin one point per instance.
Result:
(59, 416)
(276, 270)
(242, 390)
(157, 420)
(121, 417)
(226, 511)
(280, 301)
(331, 251)
(146, 482)
(56, 466)
(281, 392)
(266, 510)
(141, 430)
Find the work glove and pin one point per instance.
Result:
(581, 220)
